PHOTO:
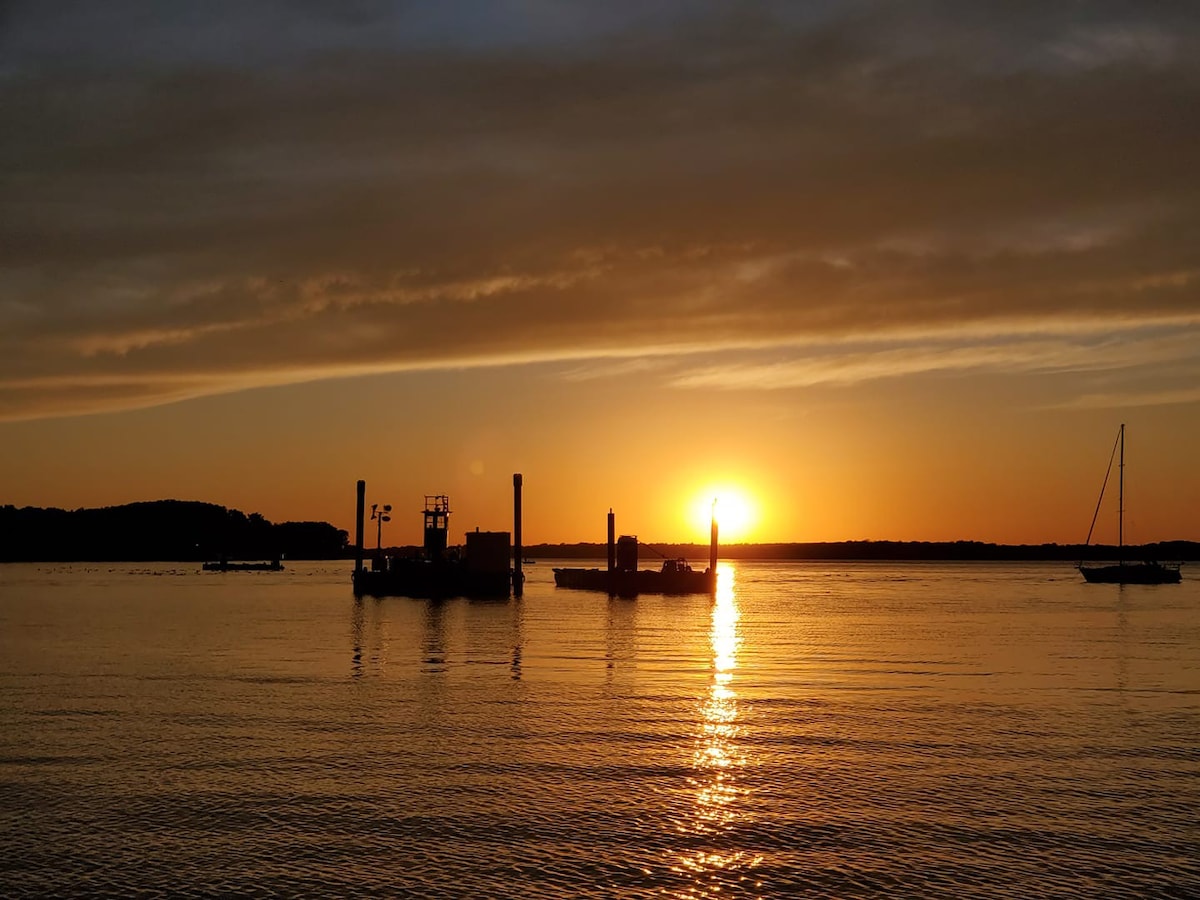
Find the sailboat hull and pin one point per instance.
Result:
(1131, 573)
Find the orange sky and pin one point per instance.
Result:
(991, 458)
(893, 274)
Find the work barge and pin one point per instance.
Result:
(623, 578)
(488, 565)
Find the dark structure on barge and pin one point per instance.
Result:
(480, 568)
(623, 578)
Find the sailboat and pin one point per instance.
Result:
(1124, 572)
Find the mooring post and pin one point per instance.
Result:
(612, 542)
(712, 547)
(358, 526)
(518, 550)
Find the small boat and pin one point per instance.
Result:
(1124, 572)
(623, 578)
(224, 565)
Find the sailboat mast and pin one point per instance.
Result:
(1121, 501)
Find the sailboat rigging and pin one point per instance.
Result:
(1124, 572)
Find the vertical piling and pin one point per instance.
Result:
(612, 542)
(358, 526)
(712, 547)
(518, 550)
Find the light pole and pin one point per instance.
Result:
(381, 516)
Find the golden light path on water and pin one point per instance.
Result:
(717, 757)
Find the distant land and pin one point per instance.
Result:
(1172, 551)
(954, 551)
(183, 531)
(161, 530)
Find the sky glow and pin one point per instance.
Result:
(911, 264)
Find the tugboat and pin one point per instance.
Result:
(623, 578)
(479, 569)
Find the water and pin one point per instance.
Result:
(819, 730)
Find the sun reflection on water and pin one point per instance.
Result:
(717, 758)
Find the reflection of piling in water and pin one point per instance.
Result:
(358, 526)
(356, 627)
(518, 551)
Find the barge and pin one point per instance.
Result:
(623, 578)
(479, 568)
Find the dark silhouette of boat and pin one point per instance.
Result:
(224, 565)
(623, 578)
(1124, 572)
(480, 568)
(1148, 572)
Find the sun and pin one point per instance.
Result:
(735, 510)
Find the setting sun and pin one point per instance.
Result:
(735, 510)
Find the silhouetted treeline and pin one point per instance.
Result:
(166, 530)
(1174, 551)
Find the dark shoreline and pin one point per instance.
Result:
(848, 551)
(839, 551)
(185, 531)
(160, 531)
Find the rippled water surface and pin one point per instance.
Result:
(816, 730)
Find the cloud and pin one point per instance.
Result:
(1133, 399)
(281, 192)
(638, 365)
(957, 354)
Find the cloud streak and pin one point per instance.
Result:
(845, 366)
(285, 194)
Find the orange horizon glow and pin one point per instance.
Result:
(857, 465)
(734, 507)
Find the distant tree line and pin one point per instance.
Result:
(166, 530)
(1173, 551)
